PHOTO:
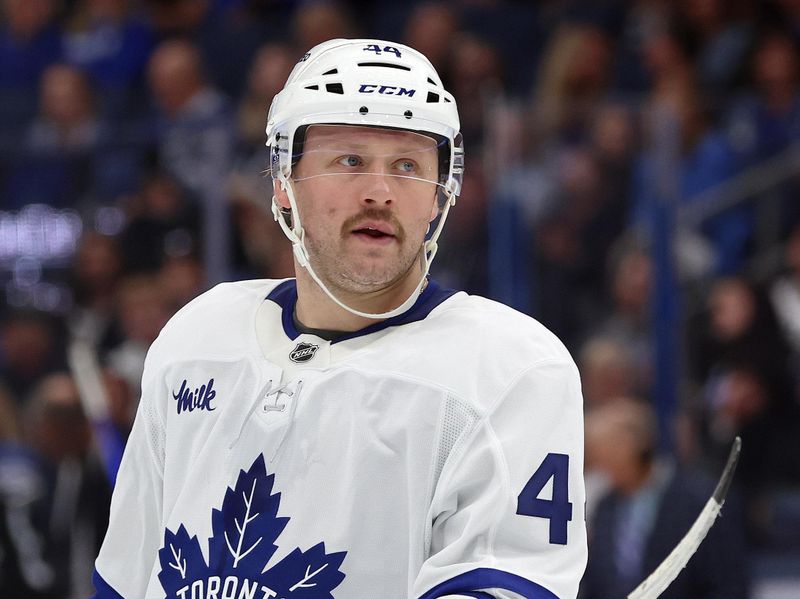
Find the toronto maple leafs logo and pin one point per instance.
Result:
(245, 531)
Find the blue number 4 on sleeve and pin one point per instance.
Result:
(558, 509)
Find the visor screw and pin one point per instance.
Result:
(408, 114)
(363, 110)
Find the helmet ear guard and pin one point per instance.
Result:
(366, 83)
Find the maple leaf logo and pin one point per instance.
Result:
(245, 531)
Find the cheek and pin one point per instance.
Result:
(434, 211)
(313, 201)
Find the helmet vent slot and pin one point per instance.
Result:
(315, 87)
(388, 65)
(331, 72)
(432, 82)
(334, 88)
(432, 98)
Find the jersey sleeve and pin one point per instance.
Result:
(132, 541)
(507, 515)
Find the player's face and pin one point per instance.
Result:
(365, 197)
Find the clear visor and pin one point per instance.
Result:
(357, 155)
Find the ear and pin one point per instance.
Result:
(434, 207)
(280, 194)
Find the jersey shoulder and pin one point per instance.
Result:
(218, 322)
(474, 348)
(512, 336)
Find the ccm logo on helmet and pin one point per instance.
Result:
(387, 90)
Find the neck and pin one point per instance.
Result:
(316, 310)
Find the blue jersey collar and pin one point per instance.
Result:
(285, 295)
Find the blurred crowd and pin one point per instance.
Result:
(132, 178)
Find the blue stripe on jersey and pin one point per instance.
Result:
(285, 295)
(488, 578)
(103, 590)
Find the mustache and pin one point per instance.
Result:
(375, 214)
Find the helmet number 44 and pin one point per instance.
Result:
(377, 49)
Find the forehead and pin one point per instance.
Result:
(367, 138)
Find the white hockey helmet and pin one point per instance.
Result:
(371, 83)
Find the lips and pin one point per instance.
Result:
(375, 230)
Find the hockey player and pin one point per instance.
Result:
(357, 432)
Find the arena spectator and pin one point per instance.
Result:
(429, 29)
(739, 327)
(24, 572)
(108, 40)
(476, 77)
(72, 514)
(176, 18)
(739, 401)
(160, 222)
(9, 417)
(121, 404)
(575, 74)
(181, 278)
(231, 34)
(463, 254)
(764, 121)
(67, 120)
(142, 311)
(628, 319)
(96, 270)
(315, 22)
(261, 250)
(767, 119)
(785, 295)
(789, 15)
(28, 351)
(607, 372)
(30, 41)
(643, 22)
(268, 72)
(572, 243)
(614, 145)
(722, 34)
(55, 161)
(651, 505)
(666, 55)
(556, 266)
(194, 133)
(704, 159)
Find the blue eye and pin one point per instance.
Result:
(350, 160)
(407, 166)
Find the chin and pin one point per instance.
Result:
(367, 281)
(364, 285)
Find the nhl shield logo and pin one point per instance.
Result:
(303, 352)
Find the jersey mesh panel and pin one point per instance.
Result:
(156, 433)
(458, 418)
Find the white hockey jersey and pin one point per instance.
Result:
(435, 454)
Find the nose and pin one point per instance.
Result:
(378, 190)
